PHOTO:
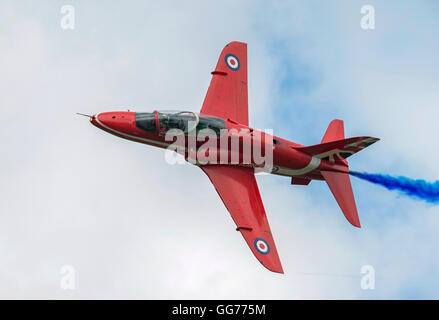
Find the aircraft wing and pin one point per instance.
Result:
(239, 191)
(227, 94)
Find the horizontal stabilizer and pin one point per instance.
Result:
(340, 186)
(338, 150)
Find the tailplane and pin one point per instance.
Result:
(340, 185)
(338, 150)
(335, 148)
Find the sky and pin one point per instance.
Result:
(132, 226)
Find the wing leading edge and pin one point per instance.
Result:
(239, 191)
(227, 96)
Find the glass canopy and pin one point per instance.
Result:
(185, 121)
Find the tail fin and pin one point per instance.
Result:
(334, 132)
(335, 148)
(340, 186)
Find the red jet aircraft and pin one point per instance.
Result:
(225, 109)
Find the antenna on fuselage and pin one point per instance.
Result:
(82, 114)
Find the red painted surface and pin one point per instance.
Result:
(235, 183)
(238, 189)
(341, 188)
(229, 87)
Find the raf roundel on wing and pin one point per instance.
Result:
(232, 62)
(262, 246)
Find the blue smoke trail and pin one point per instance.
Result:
(418, 189)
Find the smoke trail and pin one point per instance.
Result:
(418, 189)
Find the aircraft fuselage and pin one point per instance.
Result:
(234, 143)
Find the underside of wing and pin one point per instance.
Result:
(227, 94)
(239, 191)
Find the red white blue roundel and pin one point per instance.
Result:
(262, 246)
(232, 62)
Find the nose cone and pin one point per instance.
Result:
(114, 121)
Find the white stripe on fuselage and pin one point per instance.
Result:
(312, 165)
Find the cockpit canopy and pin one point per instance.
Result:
(146, 121)
(183, 120)
(186, 121)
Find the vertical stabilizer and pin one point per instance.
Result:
(334, 132)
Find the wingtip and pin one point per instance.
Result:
(281, 271)
(356, 224)
(276, 268)
(244, 44)
(371, 141)
(354, 218)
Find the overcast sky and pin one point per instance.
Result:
(133, 226)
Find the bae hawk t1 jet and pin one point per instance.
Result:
(225, 111)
